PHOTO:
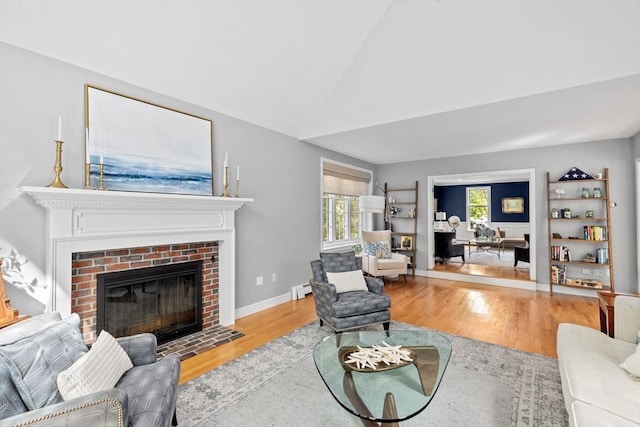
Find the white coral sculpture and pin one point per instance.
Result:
(370, 357)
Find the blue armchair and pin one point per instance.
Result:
(347, 310)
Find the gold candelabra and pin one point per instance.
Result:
(237, 188)
(225, 184)
(87, 176)
(101, 180)
(57, 182)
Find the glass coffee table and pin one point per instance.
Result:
(388, 394)
(485, 245)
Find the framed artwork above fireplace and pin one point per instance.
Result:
(146, 147)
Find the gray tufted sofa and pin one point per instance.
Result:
(34, 351)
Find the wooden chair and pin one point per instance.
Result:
(8, 314)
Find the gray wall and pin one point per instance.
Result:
(278, 233)
(636, 146)
(636, 159)
(617, 155)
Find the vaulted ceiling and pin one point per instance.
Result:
(383, 81)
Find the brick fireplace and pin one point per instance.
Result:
(81, 221)
(86, 266)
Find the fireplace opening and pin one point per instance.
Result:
(164, 300)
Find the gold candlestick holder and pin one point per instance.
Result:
(101, 180)
(237, 188)
(87, 176)
(225, 184)
(57, 182)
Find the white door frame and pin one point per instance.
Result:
(637, 223)
(491, 176)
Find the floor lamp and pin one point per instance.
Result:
(370, 205)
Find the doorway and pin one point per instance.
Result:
(489, 275)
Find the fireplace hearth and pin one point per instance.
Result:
(164, 300)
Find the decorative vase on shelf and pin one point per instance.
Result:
(585, 193)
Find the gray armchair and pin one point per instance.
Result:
(34, 351)
(347, 310)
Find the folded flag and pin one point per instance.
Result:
(575, 174)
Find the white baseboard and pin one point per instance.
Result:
(511, 283)
(493, 281)
(262, 305)
(567, 290)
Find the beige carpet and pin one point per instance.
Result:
(485, 385)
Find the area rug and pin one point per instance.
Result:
(491, 258)
(278, 385)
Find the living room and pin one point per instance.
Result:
(278, 233)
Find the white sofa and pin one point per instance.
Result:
(597, 391)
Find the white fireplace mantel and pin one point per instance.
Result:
(86, 220)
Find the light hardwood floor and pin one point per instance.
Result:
(518, 273)
(520, 319)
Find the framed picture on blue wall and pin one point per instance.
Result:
(512, 205)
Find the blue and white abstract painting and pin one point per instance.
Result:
(146, 147)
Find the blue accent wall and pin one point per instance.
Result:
(453, 200)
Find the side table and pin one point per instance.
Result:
(605, 303)
(606, 307)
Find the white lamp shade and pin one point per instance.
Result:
(373, 204)
(441, 216)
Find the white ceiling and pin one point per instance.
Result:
(383, 81)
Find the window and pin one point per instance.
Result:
(478, 204)
(342, 185)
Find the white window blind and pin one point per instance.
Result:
(343, 180)
(341, 188)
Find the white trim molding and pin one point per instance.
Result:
(86, 220)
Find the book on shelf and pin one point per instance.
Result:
(596, 232)
(558, 275)
(560, 253)
(602, 256)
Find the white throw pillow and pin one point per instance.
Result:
(632, 363)
(99, 369)
(348, 281)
